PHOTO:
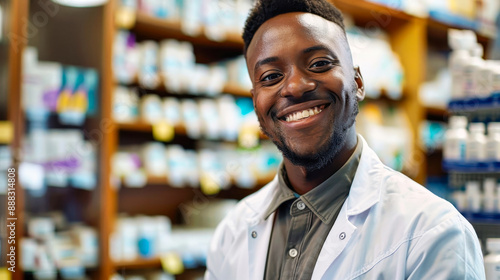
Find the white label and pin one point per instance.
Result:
(492, 271)
(455, 149)
(475, 151)
(493, 150)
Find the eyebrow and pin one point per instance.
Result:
(265, 61)
(319, 48)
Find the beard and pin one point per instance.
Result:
(328, 151)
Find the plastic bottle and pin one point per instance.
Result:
(475, 150)
(493, 142)
(455, 139)
(473, 193)
(489, 199)
(492, 260)
(471, 72)
(498, 199)
(461, 42)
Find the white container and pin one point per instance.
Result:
(475, 150)
(490, 200)
(151, 108)
(492, 260)
(495, 78)
(498, 198)
(148, 70)
(455, 139)
(470, 73)
(493, 142)
(473, 193)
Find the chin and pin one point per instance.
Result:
(312, 157)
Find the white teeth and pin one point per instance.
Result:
(304, 114)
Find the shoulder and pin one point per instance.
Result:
(248, 210)
(419, 206)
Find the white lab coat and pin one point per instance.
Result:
(389, 228)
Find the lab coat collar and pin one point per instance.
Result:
(365, 192)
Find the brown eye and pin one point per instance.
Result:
(321, 63)
(271, 77)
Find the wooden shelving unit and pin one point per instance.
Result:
(410, 38)
(138, 264)
(157, 28)
(13, 10)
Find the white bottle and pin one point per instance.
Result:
(489, 199)
(471, 72)
(456, 139)
(461, 42)
(492, 260)
(493, 142)
(498, 199)
(473, 193)
(475, 150)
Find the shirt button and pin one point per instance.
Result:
(254, 234)
(301, 205)
(342, 236)
(293, 253)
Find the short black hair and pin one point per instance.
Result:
(264, 10)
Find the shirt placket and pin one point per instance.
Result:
(299, 226)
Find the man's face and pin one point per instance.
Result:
(305, 89)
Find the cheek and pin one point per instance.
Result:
(262, 105)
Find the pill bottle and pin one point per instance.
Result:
(455, 139)
(493, 142)
(492, 260)
(475, 150)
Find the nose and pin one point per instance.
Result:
(297, 84)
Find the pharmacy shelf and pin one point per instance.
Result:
(229, 88)
(369, 14)
(490, 104)
(140, 126)
(158, 28)
(163, 181)
(436, 112)
(471, 169)
(138, 264)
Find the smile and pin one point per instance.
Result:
(303, 114)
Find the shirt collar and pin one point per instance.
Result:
(319, 199)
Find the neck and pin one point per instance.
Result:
(304, 180)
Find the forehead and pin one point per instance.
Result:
(290, 30)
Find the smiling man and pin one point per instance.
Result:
(334, 211)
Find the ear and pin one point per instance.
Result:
(358, 78)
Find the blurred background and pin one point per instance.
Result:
(127, 128)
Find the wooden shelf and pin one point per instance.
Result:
(437, 33)
(138, 264)
(236, 90)
(229, 88)
(141, 126)
(436, 112)
(370, 14)
(163, 181)
(157, 28)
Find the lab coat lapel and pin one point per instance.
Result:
(364, 193)
(259, 234)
